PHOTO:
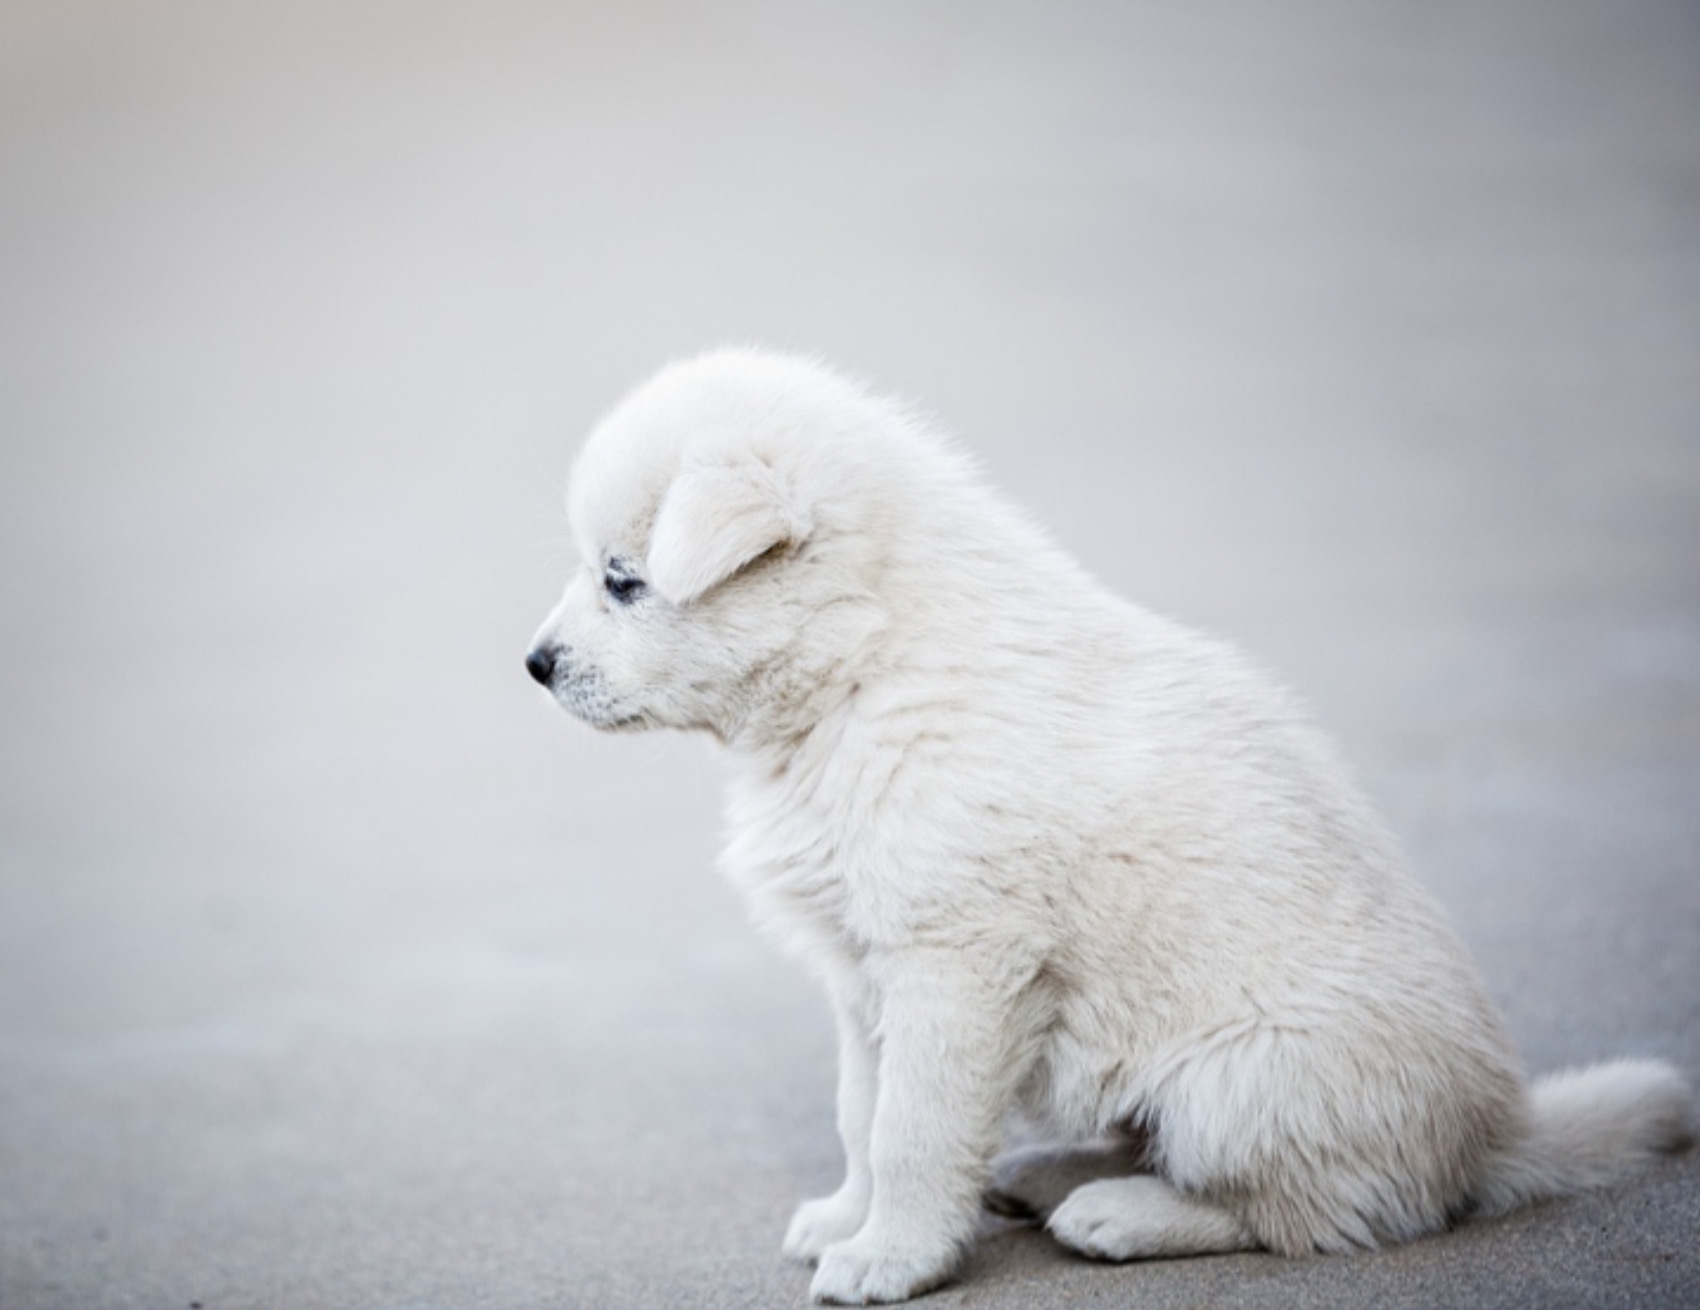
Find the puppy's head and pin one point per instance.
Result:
(708, 553)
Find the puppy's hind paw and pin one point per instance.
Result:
(1144, 1218)
(823, 1221)
(859, 1272)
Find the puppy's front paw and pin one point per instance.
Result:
(823, 1221)
(864, 1271)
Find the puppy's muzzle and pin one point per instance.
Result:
(542, 662)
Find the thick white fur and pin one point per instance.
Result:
(1050, 855)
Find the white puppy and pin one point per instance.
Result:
(1050, 854)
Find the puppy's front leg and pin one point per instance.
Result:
(828, 1219)
(947, 1032)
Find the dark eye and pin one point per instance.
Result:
(622, 588)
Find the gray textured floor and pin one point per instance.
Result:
(337, 970)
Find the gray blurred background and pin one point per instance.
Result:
(339, 970)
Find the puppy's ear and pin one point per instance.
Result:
(718, 515)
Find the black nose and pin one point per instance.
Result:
(540, 664)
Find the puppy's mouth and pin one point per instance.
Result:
(589, 703)
(593, 708)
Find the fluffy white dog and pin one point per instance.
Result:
(1050, 854)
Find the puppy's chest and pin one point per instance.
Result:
(802, 858)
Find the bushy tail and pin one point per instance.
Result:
(1589, 1127)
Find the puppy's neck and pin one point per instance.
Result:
(798, 701)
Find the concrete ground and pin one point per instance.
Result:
(339, 970)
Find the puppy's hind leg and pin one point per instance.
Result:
(1145, 1217)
